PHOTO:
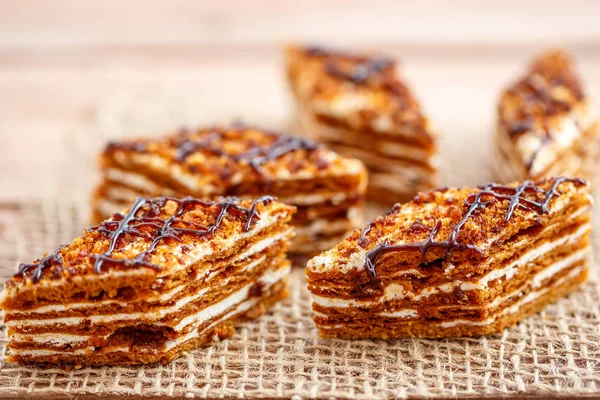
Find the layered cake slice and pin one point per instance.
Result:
(358, 105)
(147, 285)
(327, 189)
(455, 262)
(546, 124)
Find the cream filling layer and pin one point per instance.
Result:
(345, 105)
(237, 299)
(387, 147)
(530, 297)
(148, 317)
(396, 291)
(395, 166)
(141, 183)
(198, 184)
(254, 249)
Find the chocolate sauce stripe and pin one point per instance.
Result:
(129, 224)
(185, 145)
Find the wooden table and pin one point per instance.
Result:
(62, 61)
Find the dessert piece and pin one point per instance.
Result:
(358, 105)
(546, 124)
(327, 189)
(149, 284)
(455, 262)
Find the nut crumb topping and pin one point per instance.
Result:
(146, 235)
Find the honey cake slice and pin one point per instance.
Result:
(455, 262)
(546, 123)
(150, 283)
(327, 189)
(358, 105)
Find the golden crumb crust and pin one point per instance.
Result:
(455, 224)
(356, 91)
(155, 235)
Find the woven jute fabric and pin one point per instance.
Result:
(280, 355)
(553, 353)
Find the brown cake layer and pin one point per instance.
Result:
(455, 262)
(427, 329)
(151, 282)
(219, 287)
(151, 351)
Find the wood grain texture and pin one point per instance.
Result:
(60, 60)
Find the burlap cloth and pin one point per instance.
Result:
(555, 352)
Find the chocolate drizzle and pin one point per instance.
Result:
(475, 203)
(149, 225)
(189, 146)
(38, 267)
(255, 156)
(361, 72)
(362, 69)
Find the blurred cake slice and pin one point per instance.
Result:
(546, 124)
(358, 105)
(455, 262)
(159, 279)
(327, 189)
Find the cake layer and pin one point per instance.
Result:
(328, 308)
(190, 296)
(172, 315)
(527, 305)
(122, 185)
(53, 335)
(144, 352)
(142, 176)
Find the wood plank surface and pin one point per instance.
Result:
(61, 60)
